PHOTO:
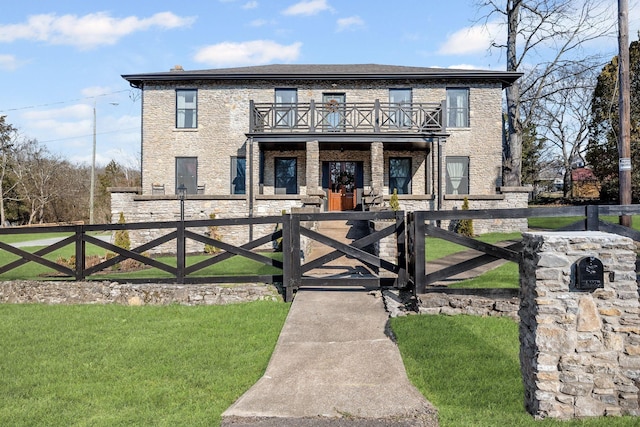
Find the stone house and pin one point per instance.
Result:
(254, 141)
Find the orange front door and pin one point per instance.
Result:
(342, 186)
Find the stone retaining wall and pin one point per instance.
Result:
(452, 304)
(23, 292)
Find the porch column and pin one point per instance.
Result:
(377, 166)
(313, 167)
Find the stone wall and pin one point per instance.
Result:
(580, 350)
(25, 292)
(489, 303)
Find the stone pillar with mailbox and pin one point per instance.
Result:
(579, 325)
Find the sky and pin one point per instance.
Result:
(61, 60)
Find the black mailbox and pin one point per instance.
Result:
(589, 274)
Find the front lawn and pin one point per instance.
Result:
(468, 367)
(111, 365)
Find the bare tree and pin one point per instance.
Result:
(564, 115)
(35, 171)
(543, 37)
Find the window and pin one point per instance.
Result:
(286, 180)
(458, 108)
(333, 112)
(400, 108)
(457, 175)
(286, 100)
(400, 175)
(238, 175)
(187, 174)
(186, 108)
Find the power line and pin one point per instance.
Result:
(61, 102)
(85, 136)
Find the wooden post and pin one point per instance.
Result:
(593, 219)
(624, 143)
(401, 245)
(286, 259)
(419, 252)
(180, 261)
(80, 252)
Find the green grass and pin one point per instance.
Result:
(468, 368)
(438, 248)
(117, 365)
(505, 276)
(234, 266)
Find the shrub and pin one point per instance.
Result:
(213, 234)
(122, 236)
(465, 226)
(393, 202)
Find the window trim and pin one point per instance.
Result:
(178, 109)
(410, 180)
(396, 108)
(467, 109)
(275, 175)
(465, 178)
(290, 113)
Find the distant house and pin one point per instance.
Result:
(258, 140)
(584, 184)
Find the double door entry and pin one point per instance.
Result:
(343, 182)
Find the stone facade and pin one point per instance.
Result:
(222, 134)
(580, 350)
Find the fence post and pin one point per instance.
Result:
(593, 219)
(286, 258)
(80, 252)
(180, 253)
(401, 246)
(419, 252)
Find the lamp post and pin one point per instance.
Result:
(182, 192)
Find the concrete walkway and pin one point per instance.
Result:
(333, 365)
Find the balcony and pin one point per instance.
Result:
(350, 118)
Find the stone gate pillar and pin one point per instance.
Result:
(579, 327)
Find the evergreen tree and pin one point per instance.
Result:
(602, 150)
(122, 236)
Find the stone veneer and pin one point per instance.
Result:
(63, 292)
(580, 351)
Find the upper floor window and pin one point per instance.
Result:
(186, 108)
(286, 104)
(457, 175)
(458, 108)
(400, 175)
(333, 113)
(400, 108)
(238, 175)
(286, 179)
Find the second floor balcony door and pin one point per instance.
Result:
(333, 112)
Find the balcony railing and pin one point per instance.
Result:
(354, 117)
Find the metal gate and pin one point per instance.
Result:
(367, 251)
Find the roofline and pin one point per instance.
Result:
(507, 78)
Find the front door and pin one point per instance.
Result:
(342, 180)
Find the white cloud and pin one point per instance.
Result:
(350, 23)
(250, 5)
(87, 31)
(258, 23)
(307, 8)
(254, 52)
(8, 62)
(471, 40)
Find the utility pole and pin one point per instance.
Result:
(624, 142)
(93, 167)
